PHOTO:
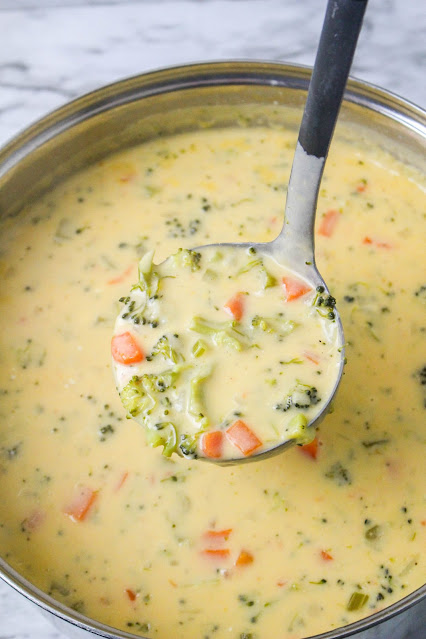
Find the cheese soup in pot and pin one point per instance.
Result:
(308, 541)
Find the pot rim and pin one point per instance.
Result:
(172, 79)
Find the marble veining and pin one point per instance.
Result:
(52, 51)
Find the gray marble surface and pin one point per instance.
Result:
(54, 50)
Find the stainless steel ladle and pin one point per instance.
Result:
(295, 247)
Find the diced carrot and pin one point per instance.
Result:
(217, 535)
(244, 558)
(120, 278)
(361, 186)
(281, 584)
(131, 594)
(423, 522)
(312, 357)
(211, 444)
(378, 243)
(122, 480)
(125, 349)
(328, 223)
(294, 288)
(311, 449)
(216, 553)
(81, 503)
(235, 306)
(241, 436)
(326, 555)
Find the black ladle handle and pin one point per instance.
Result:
(339, 36)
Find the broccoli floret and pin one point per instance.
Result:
(301, 396)
(139, 395)
(185, 258)
(163, 347)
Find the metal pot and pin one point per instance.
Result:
(186, 98)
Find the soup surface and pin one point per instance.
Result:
(311, 540)
(191, 376)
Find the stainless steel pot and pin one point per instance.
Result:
(179, 99)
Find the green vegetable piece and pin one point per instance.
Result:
(199, 348)
(135, 399)
(140, 395)
(356, 601)
(222, 333)
(163, 347)
(196, 404)
(185, 258)
(301, 396)
(188, 445)
(163, 434)
(148, 277)
(297, 425)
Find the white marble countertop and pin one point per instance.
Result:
(54, 50)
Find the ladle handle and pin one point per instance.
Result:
(339, 36)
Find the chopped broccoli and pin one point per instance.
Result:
(148, 277)
(196, 406)
(185, 258)
(222, 333)
(277, 325)
(139, 395)
(199, 348)
(268, 280)
(163, 347)
(301, 396)
(163, 434)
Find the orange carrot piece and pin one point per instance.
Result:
(216, 553)
(244, 558)
(211, 444)
(326, 555)
(328, 223)
(311, 450)
(294, 288)
(235, 306)
(125, 349)
(217, 535)
(361, 187)
(83, 500)
(131, 594)
(241, 436)
(120, 278)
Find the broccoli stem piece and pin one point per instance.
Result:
(196, 403)
(163, 434)
(148, 277)
(221, 333)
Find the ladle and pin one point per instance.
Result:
(295, 246)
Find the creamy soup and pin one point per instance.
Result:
(206, 386)
(307, 541)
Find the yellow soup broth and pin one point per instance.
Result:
(173, 548)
